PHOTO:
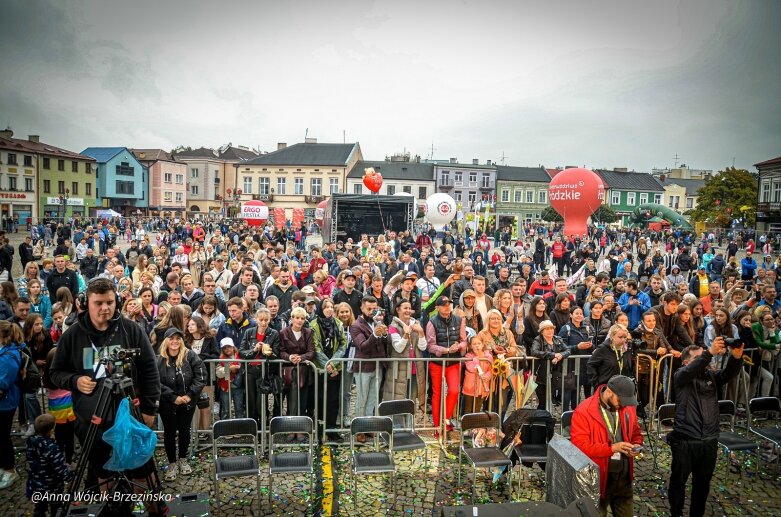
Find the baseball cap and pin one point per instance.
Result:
(442, 300)
(546, 324)
(219, 258)
(349, 273)
(311, 299)
(411, 275)
(624, 388)
(308, 289)
(173, 331)
(226, 341)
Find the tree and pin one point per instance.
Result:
(604, 214)
(731, 194)
(550, 215)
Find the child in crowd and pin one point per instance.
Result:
(61, 407)
(47, 471)
(477, 380)
(229, 372)
(58, 319)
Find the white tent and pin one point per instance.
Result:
(108, 213)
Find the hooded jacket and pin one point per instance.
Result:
(10, 361)
(76, 357)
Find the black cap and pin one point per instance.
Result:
(173, 330)
(350, 273)
(442, 300)
(624, 388)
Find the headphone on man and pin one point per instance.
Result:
(83, 300)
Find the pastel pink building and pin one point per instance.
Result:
(167, 182)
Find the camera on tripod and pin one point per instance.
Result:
(121, 360)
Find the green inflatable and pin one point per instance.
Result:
(646, 211)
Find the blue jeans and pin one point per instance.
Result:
(237, 394)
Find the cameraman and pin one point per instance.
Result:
(98, 333)
(611, 358)
(694, 439)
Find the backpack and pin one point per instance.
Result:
(29, 375)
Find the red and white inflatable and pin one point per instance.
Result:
(255, 213)
(320, 212)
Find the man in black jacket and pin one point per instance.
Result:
(77, 366)
(26, 251)
(695, 435)
(89, 265)
(61, 276)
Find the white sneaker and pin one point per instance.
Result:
(184, 467)
(7, 479)
(170, 474)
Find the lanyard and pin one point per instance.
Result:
(620, 360)
(612, 432)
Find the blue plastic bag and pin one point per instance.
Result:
(133, 443)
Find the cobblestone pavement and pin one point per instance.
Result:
(421, 488)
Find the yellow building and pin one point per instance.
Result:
(298, 176)
(680, 194)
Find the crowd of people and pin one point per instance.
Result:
(210, 305)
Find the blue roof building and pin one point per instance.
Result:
(122, 181)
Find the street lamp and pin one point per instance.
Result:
(64, 203)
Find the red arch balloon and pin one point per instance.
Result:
(576, 194)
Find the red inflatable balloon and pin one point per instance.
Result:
(320, 212)
(372, 179)
(576, 194)
(254, 213)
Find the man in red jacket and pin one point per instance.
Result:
(604, 427)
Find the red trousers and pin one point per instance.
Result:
(453, 380)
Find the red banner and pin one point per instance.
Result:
(279, 218)
(298, 218)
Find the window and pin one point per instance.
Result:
(75, 188)
(777, 192)
(264, 184)
(658, 199)
(88, 168)
(28, 160)
(542, 197)
(168, 177)
(472, 179)
(179, 197)
(88, 189)
(472, 198)
(12, 159)
(126, 187)
(167, 196)
(74, 166)
(505, 195)
(518, 195)
(298, 186)
(281, 186)
(12, 182)
(408, 190)
(422, 193)
(333, 186)
(630, 198)
(459, 178)
(458, 197)
(194, 172)
(316, 187)
(28, 184)
(124, 169)
(247, 185)
(357, 188)
(61, 187)
(194, 190)
(486, 180)
(179, 179)
(445, 177)
(47, 187)
(530, 196)
(615, 198)
(60, 165)
(765, 191)
(46, 163)
(643, 198)
(391, 190)
(689, 203)
(674, 201)
(216, 182)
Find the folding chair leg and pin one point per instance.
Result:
(474, 482)
(355, 492)
(269, 489)
(260, 498)
(459, 466)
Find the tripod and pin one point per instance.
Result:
(112, 391)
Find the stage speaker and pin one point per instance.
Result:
(570, 475)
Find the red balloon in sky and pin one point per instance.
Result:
(576, 194)
(372, 180)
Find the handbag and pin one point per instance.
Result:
(203, 401)
(271, 384)
(287, 374)
(570, 381)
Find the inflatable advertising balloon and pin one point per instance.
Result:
(440, 210)
(372, 179)
(414, 202)
(576, 194)
(320, 212)
(255, 213)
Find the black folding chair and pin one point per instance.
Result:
(238, 465)
(404, 438)
(566, 423)
(482, 457)
(766, 405)
(290, 461)
(731, 441)
(376, 461)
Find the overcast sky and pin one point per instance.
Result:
(601, 83)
